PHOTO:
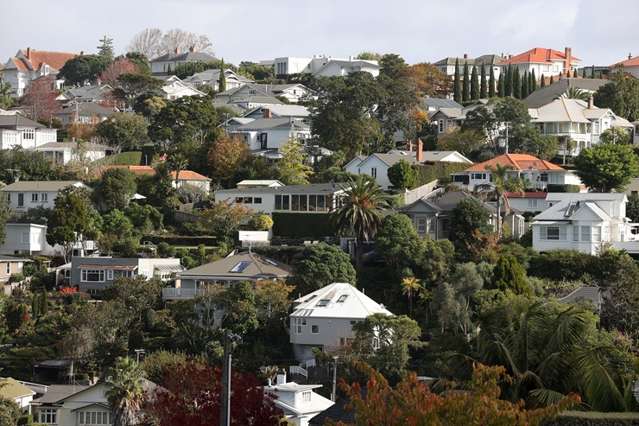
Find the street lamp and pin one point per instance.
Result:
(225, 412)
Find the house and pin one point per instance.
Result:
(244, 98)
(64, 152)
(266, 136)
(447, 65)
(576, 120)
(377, 165)
(299, 402)
(94, 274)
(344, 67)
(77, 404)
(543, 61)
(167, 63)
(174, 88)
(211, 78)
(89, 113)
(259, 183)
(324, 318)
(292, 92)
(17, 392)
(185, 178)
(97, 93)
(321, 66)
(236, 267)
(17, 130)
(584, 222)
(29, 239)
(10, 266)
(629, 66)
(318, 198)
(25, 195)
(278, 111)
(545, 95)
(432, 105)
(527, 201)
(537, 173)
(29, 64)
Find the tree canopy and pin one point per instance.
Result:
(607, 167)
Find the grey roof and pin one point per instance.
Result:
(185, 57)
(255, 267)
(12, 259)
(88, 93)
(283, 110)
(86, 108)
(445, 201)
(272, 123)
(246, 93)
(38, 185)
(545, 95)
(561, 110)
(10, 121)
(480, 60)
(438, 103)
(313, 188)
(57, 392)
(213, 75)
(451, 112)
(85, 145)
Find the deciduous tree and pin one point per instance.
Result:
(607, 167)
(292, 167)
(225, 157)
(124, 130)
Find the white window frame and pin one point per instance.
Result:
(548, 228)
(314, 329)
(306, 396)
(48, 416)
(34, 197)
(84, 274)
(109, 274)
(374, 172)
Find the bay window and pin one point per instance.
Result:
(92, 275)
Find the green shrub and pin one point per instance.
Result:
(301, 225)
(429, 172)
(555, 187)
(578, 418)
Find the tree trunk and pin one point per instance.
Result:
(499, 215)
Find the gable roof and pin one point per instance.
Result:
(438, 103)
(515, 162)
(567, 206)
(339, 300)
(630, 62)
(88, 146)
(241, 266)
(272, 123)
(538, 55)
(185, 57)
(31, 59)
(88, 93)
(86, 108)
(442, 200)
(13, 389)
(545, 95)
(42, 185)
(18, 120)
(56, 393)
(561, 110)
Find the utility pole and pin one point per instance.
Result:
(225, 402)
(507, 123)
(334, 393)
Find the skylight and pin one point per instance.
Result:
(342, 298)
(323, 302)
(240, 266)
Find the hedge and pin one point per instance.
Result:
(555, 187)
(441, 170)
(303, 225)
(592, 418)
(181, 240)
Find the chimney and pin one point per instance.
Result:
(568, 62)
(419, 153)
(192, 49)
(177, 50)
(548, 51)
(629, 56)
(591, 102)
(281, 377)
(29, 53)
(266, 113)
(465, 55)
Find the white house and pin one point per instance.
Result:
(245, 98)
(325, 318)
(17, 392)
(19, 131)
(543, 61)
(584, 222)
(322, 66)
(166, 63)
(25, 195)
(65, 152)
(447, 65)
(266, 136)
(527, 201)
(298, 402)
(174, 88)
(27, 238)
(576, 120)
(29, 64)
(536, 172)
(211, 78)
(318, 198)
(278, 111)
(293, 92)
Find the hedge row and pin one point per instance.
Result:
(181, 240)
(591, 418)
(303, 225)
(429, 172)
(554, 187)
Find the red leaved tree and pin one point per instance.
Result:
(116, 69)
(190, 396)
(40, 98)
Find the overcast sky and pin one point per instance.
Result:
(600, 32)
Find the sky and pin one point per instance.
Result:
(599, 32)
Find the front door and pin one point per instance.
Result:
(20, 200)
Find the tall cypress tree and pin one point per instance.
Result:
(474, 84)
(221, 82)
(508, 83)
(543, 80)
(524, 85)
(466, 84)
(491, 83)
(501, 85)
(583, 72)
(533, 80)
(592, 72)
(516, 84)
(552, 80)
(456, 85)
(483, 89)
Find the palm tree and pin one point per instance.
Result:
(574, 93)
(126, 392)
(410, 287)
(500, 182)
(569, 145)
(362, 208)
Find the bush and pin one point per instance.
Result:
(561, 265)
(429, 172)
(300, 225)
(578, 418)
(555, 187)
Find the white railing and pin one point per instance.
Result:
(170, 293)
(296, 369)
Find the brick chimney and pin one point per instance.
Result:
(29, 53)
(192, 49)
(629, 56)
(177, 50)
(591, 102)
(419, 152)
(568, 62)
(266, 113)
(465, 55)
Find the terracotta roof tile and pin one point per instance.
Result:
(37, 58)
(630, 62)
(149, 171)
(515, 162)
(538, 55)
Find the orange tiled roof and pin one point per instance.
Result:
(37, 58)
(149, 171)
(189, 175)
(630, 62)
(538, 55)
(515, 162)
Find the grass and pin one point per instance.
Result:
(130, 158)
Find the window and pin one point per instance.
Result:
(295, 203)
(20, 199)
(441, 126)
(585, 233)
(303, 203)
(321, 203)
(28, 134)
(248, 200)
(596, 233)
(257, 200)
(323, 302)
(110, 274)
(278, 202)
(25, 238)
(94, 418)
(552, 233)
(92, 275)
(48, 416)
(240, 266)
(34, 198)
(239, 200)
(306, 396)
(375, 343)
(478, 176)
(543, 177)
(532, 203)
(299, 323)
(44, 197)
(312, 203)
(315, 329)
(8, 268)
(421, 225)
(342, 298)
(374, 172)
(575, 233)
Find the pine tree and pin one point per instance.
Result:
(508, 81)
(456, 83)
(524, 85)
(516, 84)
(533, 79)
(592, 72)
(583, 72)
(543, 81)
(105, 49)
(483, 89)
(501, 86)
(552, 80)
(221, 81)
(466, 84)
(491, 83)
(474, 84)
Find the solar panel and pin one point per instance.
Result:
(240, 266)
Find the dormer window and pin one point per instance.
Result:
(306, 396)
(342, 298)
